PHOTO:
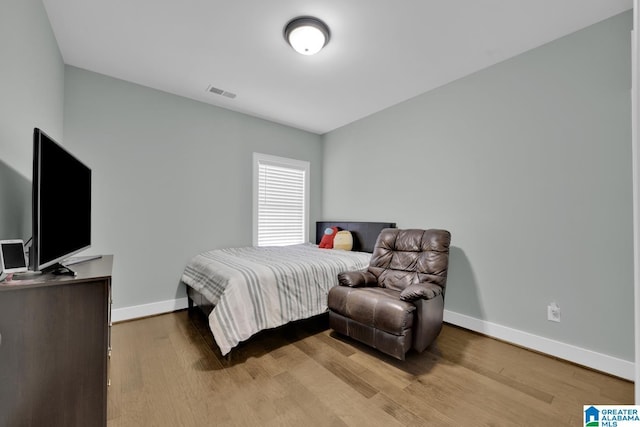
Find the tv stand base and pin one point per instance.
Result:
(60, 270)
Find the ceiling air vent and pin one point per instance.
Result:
(222, 92)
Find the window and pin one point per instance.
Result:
(280, 201)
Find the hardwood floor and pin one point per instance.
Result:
(167, 371)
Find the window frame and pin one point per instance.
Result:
(283, 162)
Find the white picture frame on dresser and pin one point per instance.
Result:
(12, 257)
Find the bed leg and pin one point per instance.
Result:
(189, 303)
(227, 360)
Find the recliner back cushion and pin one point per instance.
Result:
(405, 257)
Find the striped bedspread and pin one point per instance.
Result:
(256, 288)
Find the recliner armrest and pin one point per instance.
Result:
(424, 290)
(357, 279)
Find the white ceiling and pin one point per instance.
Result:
(381, 52)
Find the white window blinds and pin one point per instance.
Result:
(280, 201)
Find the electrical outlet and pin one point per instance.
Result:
(553, 312)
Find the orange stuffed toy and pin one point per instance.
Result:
(327, 240)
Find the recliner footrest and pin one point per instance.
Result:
(393, 345)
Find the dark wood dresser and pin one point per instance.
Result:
(54, 346)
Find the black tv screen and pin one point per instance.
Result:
(61, 203)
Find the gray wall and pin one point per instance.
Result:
(31, 94)
(171, 177)
(528, 164)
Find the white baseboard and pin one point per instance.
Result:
(601, 362)
(144, 310)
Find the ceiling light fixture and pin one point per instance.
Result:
(306, 35)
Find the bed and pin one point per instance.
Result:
(246, 290)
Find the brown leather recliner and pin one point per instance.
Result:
(398, 302)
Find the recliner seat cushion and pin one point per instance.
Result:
(377, 307)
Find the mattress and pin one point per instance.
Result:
(256, 288)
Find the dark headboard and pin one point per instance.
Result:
(364, 234)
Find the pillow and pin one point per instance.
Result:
(327, 240)
(343, 240)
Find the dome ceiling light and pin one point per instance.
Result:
(306, 35)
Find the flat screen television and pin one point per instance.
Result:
(61, 204)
